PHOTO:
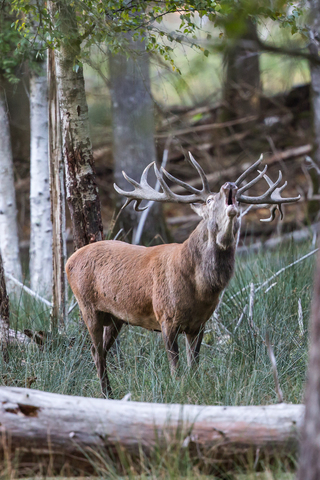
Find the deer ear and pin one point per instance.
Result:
(198, 208)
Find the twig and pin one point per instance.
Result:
(271, 286)
(28, 290)
(216, 312)
(285, 268)
(118, 234)
(251, 302)
(210, 126)
(73, 306)
(247, 210)
(274, 275)
(274, 369)
(300, 318)
(240, 318)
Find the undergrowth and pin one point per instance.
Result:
(234, 366)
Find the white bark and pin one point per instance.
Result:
(65, 429)
(9, 242)
(40, 207)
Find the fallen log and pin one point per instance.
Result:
(40, 428)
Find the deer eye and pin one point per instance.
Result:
(209, 200)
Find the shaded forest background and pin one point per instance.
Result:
(189, 109)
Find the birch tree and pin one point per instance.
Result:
(9, 240)
(40, 208)
(82, 192)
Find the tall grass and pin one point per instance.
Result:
(234, 367)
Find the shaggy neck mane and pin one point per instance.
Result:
(217, 264)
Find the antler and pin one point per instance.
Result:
(271, 197)
(143, 191)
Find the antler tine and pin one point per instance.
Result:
(205, 183)
(163, 184)
(170, 177)
(143, 191)
(249, 170)
(265, 197)
(271, 197)
(144, 177)
(273, 210)
(253, 182)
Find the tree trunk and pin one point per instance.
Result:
(133, 132)
(309, 465)
(9, 241)
(242, 88)
(62, 430)
(313, 205)
(58, 204)
(40, 208)
(4, 314)
(82, 192)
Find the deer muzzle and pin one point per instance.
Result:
(229, 191)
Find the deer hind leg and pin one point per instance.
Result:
(170, 337)
(193, 344)
(95, 322)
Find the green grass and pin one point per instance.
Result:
(234, 368)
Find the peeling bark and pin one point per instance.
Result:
(40, 206)
(82, 192)
(9, 241)
(66, 431)
(58, 199)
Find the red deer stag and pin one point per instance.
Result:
(171, 288)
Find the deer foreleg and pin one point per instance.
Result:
(170, 337)
(193, 344)
(111, 333)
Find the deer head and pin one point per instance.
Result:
(219, 210)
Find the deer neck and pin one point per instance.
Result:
(214, 264)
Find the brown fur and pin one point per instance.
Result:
(169, 288)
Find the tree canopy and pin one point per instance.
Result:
(106, 21)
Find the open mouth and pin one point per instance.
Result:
(230, 190)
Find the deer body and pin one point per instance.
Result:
(169, 288)
(144, 286)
